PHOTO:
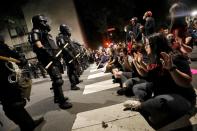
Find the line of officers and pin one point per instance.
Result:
(74, 55)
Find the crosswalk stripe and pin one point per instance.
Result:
(99, 86)
(100, 74)
(113, 116)
(94, 70)
(94, 66)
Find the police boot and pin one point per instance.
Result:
(75, 88)
(65, 105)
(59, 97)
(56, 99)
(80, 81)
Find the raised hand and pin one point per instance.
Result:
(166, 60)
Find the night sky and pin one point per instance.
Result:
(98, 15)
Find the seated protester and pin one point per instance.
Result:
(194, 34)
(133, 77)
(11, 94)
(185, 49)
(191, 35)
(127, 60)
(113, 61)
(97, 57)
(177, 45)
(104, 59)
(128, 67)
(129, 45)
(173, 94)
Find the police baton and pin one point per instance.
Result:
(56, 56)
(9, 59)
(74, 58)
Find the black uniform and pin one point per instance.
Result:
(11, 95)
(45, 54)
(78, 49)
(69, 54)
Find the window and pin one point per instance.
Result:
(12, 32)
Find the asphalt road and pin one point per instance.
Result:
(97, 92)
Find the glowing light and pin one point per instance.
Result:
(125, 29)
(100, 47)
(194, 13)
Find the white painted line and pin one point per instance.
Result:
(94, 70)
(106, 114)
(100, 74)
(99, 86)
(94, 66)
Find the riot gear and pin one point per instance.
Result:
(64, 29)
(11, 95)
(45, 55)
(40, 22)
(69, 54)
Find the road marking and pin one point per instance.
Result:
(100, 74)
(99, 86)
(94, 70)
(113, 116)
(94, 66)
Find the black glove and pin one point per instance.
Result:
(47, 54)
(23, 61)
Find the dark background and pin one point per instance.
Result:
(99, 15)
(96, 16)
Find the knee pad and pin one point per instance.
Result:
(58, 82)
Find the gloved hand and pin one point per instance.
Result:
(47, 54)
(23, 60)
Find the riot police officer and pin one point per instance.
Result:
(69, 54)
(45, 48)
(78, 61)
(11, 96)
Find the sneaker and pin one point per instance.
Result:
(132, 104)
(65, 105)
(114, 81)
(38, 122)
(75, 88)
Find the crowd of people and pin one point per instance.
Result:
(154, 67)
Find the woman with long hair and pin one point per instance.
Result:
(172, 92)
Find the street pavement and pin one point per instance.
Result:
(96, 107)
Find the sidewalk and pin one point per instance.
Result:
(41, 79)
